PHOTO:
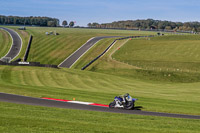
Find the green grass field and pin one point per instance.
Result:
(5, 43)
(99, 88)
(166, 59)
(51, 49)
(167, 52)
(41, 119)
(113, 74)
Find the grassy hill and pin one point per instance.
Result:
(51, 49)
(99, 88)
(93, 87)
(113, 74)
(5, 43)
(167, 52)
(167, 59)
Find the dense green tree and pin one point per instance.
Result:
(150, 24)
(64, 23)
(51, 24)
(168, 28)
(95, 25)
(89, 25)
(71, 24)
(38, 21)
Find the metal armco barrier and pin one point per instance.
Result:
(83, 68)
(28, 48)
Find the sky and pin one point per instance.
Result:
(104, 11)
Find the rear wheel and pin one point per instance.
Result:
(129, 105)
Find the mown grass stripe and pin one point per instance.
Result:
(67, 42)
(44, 119)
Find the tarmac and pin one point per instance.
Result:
(16, 43)
(11, 98)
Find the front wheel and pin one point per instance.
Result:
(112, 105)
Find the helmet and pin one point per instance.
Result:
(126, 94)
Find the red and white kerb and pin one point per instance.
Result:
(77, 102)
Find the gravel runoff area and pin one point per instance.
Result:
(59, 104)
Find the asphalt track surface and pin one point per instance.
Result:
(16, 44)
(68, 62)
(4, 97)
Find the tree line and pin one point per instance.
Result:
(37, 21)
(149, 24)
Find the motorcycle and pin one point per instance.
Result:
(118, 103)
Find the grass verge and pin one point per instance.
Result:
(99, 88)
(43, 119)
(25, 38)
(5, 43)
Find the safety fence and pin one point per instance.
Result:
(153, 30)
(83, 68)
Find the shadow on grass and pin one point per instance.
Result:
(138, 108)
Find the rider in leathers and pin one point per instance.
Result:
(126, 97)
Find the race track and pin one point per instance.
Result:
(14, 51)
(58, 104)
(16, 43)
(68, 62)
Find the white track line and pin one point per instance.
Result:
(12, 43)
(84, 53)
(79, 102)
(76, 102)
(76, 51)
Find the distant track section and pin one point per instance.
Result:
(68, 62)
(87, 65)
(61, 104)
(16, 44)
